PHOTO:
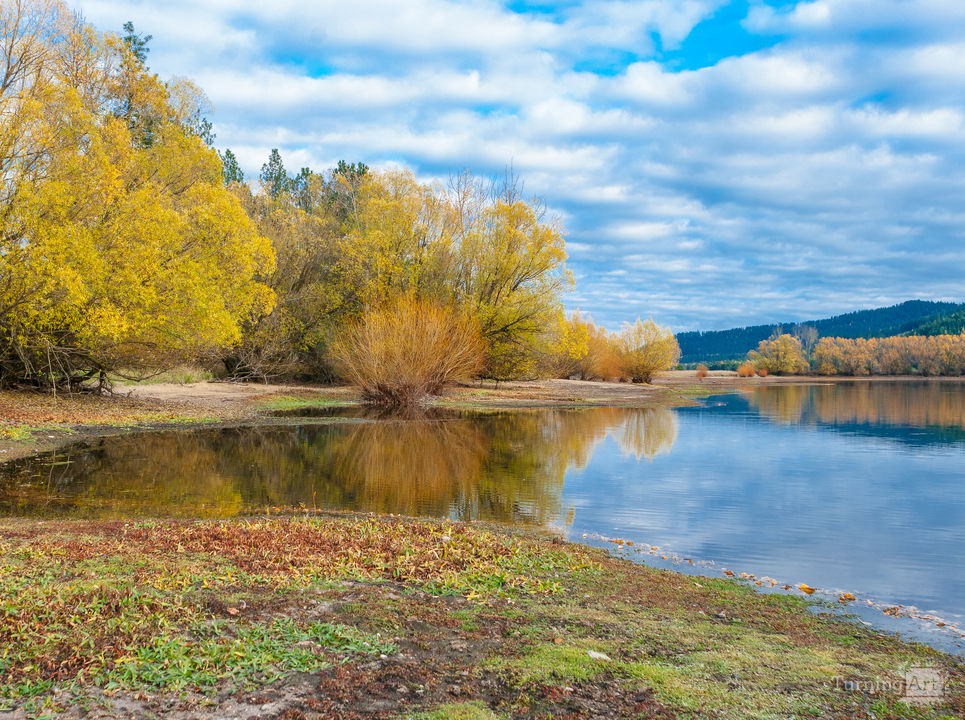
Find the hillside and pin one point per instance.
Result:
(904, 318)
(944, 323)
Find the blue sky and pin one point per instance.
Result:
(714, 163)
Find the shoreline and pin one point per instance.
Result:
(470, 620)
(677, 644)
(36, 422)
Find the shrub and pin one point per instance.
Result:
(745, 370)
(646, 349)
(400, 353)
(702, 372)
(762, 372)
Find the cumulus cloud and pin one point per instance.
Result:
(818, 173)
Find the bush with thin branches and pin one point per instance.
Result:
(646, 349)
(400, 353)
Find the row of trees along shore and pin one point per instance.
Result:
(933, 355)
(129, 245)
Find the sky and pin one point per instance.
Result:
(714, 163)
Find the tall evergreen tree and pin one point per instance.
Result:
(137, 43)
(230, 169)
(273, 175)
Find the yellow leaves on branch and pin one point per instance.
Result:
(782, 355)
(579, 347)
(912, 355)
(646, 349)
(120, 245)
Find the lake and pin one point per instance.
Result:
(852, 487)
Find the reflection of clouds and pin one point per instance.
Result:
(834, 510)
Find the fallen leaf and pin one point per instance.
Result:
(806, 589)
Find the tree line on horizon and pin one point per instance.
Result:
(130, 245)
(920, 355)
(724, 348)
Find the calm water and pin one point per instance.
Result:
(854, 487)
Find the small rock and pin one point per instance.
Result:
(455, 689)
(722, 614)
(402, 690)
(598, 655)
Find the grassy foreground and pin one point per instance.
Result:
(366, 617)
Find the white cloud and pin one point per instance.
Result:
(820, 174)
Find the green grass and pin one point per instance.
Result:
(18, 433)
(178, 376)
(299, 402)
(459, 711)
(175, 608)
(245, 654)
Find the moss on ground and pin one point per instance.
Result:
(365, 617)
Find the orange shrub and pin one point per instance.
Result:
(762, 372)
(702, 372)
(399, 354)
(745, 370)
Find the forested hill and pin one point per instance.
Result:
(716, 345)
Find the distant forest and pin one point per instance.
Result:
(914, 317)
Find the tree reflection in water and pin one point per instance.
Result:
(504, 466)
(926, 403)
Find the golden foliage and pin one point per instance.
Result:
(349, 242)
(913, 355)
(120, 247)
(781, 356)
(702, 372)
(408, 349)
(745, 370)
(646, 349)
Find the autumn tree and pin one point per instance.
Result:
(565, 346)
(508, 268)
(780, 356)
(120, 247)
(902, 355)
(646, 349)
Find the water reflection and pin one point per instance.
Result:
(935, 409)
(507, 466)
(854, 486)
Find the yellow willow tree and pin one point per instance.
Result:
(508, 269)
(646, 349)
(120, 247)
(781, 356)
